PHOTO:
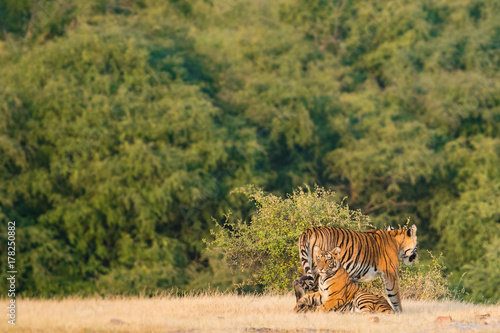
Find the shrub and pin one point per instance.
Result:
(267, 245)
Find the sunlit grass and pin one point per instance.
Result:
(214, 312)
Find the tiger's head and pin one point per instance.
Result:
(327, 263)
(408, 248)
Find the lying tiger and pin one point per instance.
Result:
(337, 292)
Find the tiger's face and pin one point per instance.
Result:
(328, 263)
(408, 249)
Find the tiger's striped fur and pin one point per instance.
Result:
(337, 292)
(364, 255)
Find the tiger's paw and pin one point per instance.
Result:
(305, 304)
(301, 285)
(306, 282)
(322, 308)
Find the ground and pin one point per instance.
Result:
(233, 313)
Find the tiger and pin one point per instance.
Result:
(364, 255)
(337, 292)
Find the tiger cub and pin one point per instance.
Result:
(337, 292)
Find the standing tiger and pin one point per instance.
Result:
(364, 255)
(336, 291)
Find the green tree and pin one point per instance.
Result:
(124, 125)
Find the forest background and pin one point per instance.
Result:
(125, 125)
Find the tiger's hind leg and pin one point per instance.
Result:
(307, 238)
(385, 310)
(366, 302)
(363, 303)
(383, 306)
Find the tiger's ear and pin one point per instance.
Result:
(389, 228)
(336, 252)
(412, 232)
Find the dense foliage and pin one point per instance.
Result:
(125, 124)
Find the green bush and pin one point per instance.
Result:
(267, 245)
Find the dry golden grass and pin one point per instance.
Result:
(228, 313)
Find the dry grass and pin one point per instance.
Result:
(226, 313)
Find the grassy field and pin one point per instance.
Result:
(233, 313)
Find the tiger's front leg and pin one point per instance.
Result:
(301, 284)
(329, 305)
(391, 282)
